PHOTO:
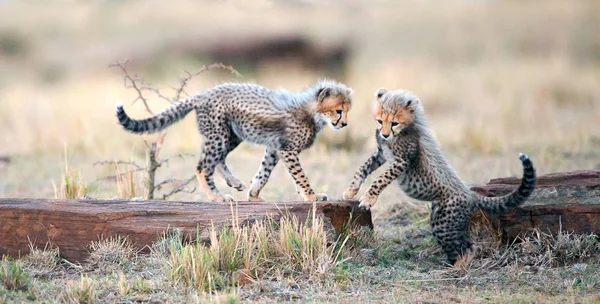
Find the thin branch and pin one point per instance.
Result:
(184, 81)
(118, 162)
(114, 176)
(159, 185)
(134, 83)
(180, 188)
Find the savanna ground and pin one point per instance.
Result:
(495, 78)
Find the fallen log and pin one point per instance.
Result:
(72, 225)
(564, 201)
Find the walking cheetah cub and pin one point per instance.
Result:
(422, 172)
(227, 114)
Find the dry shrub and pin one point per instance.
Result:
(82, 291)
(239, 254)
(109, 252)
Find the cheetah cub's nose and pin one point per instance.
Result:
(385, 135)
(344, 124)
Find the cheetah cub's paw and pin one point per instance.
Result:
(236, 184)
(255, 198)
(349, 194)
(223, 198)
(367, 201)
(316, 197)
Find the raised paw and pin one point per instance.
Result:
(236, 184)
(367, 201)
(349, 194)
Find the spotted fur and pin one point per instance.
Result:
(422, 172)
(285, 122)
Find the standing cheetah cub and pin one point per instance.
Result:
(422, 172)
(227, 114)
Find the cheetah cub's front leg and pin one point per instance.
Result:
(372, 164)
(370, 198)
(293, 165)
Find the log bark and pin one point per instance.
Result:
(564, 201)
(72, 225)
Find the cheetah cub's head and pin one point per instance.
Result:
(394, 111)
(333, 103)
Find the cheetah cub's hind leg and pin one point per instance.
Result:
(212, 155)
(262, 176)
(223, 170)
(229, 178)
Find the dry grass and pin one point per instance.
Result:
(130, 184)
(72, 185)
(238, 255)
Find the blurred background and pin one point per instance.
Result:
(495, 77)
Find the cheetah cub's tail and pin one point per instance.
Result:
(515, 198)
(157, 122)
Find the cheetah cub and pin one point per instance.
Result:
(227, 114)
(422, 172)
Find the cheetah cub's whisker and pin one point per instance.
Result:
(422, 172)
(285, 122)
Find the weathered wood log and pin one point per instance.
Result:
(72, 225)
(567, 201)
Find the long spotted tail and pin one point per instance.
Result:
(515, 198)
(159, 121)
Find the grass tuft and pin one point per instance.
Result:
(13, 276)
(82, 291)
(111, 251)
(72, 185)
(537, 248)
(40, 262)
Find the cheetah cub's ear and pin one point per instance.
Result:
(411, 104)
(323, 93)
(349, 92)
(380, 92)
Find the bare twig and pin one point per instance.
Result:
(134, 83)
(115, 176)
(181, 188)
(159, 185)
(118, 162)
(184, 81)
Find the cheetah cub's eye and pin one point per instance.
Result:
(379, 121)
(339, 112)
(394, 123)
